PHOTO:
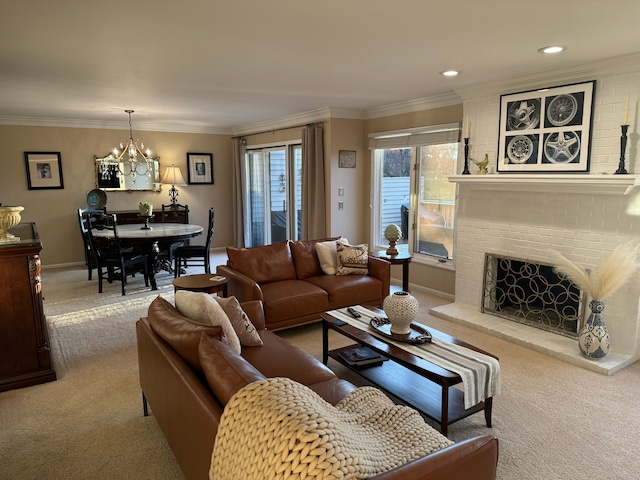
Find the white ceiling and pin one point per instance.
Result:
(207, 65)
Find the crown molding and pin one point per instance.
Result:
(554, 77)
(416, 105)
(291, 121)
(111, 125)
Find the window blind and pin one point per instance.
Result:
(435, 135)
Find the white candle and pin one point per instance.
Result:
(466, 132)
(626, 111)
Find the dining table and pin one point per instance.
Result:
(147, 239)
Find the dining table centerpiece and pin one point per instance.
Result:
(146, 209)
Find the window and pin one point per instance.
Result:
(274, 194)
(411, 189)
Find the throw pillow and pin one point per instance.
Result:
(352, 259)
(226, 371)
(178, 331)
(201, 307)
(247, 333)
(328, 256)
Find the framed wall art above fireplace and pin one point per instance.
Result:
(546, 130)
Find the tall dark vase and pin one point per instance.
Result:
(593, 339)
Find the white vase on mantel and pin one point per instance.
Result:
(401, 309)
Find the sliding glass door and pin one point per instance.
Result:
(274, 194)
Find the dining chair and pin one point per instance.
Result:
(185, 255)
(113, 261)
(172, 213)
(89, 257)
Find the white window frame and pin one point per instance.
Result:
(414, 138)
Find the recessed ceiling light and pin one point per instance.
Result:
(552, 49)
(450, 73)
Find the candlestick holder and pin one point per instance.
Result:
(466, 171)
(623, 146)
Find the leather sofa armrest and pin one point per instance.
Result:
(242, 287)
(255, 311)
(475, 458)
(381, 269)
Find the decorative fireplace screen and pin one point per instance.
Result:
(532, 294)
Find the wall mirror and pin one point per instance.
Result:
(113, 175)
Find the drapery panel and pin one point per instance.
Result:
(313, 188)
(238, 192)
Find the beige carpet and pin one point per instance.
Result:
(555, 421)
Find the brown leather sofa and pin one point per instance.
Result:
(177, 384)
(288, 279)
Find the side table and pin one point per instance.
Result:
(402, 258)
(203, 282)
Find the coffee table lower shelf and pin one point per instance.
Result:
(415, 390)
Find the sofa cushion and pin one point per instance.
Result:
(179, 331)
(292, 299)
(226, 371)
(344, 290)
(279, 358)
(269, 263)
(240, 322)
(328, 255)
(201, 307)
(352, 259)
(305, 257)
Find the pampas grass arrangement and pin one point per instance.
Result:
(610, 275)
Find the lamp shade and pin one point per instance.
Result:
(173, 176)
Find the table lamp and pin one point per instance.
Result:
(173, 176)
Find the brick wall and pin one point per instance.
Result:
(529, 224)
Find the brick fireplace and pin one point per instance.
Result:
(527, 216)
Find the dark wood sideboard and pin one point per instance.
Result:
(25, 356)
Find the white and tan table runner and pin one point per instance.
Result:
(480, 373)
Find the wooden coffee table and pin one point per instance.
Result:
(417, 382)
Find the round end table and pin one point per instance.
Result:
(203, 282)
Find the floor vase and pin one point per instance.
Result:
(593, 339)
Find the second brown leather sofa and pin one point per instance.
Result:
(288, 279)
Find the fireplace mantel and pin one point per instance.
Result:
(561, 183)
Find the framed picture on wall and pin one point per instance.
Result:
(546, 130)
(44, 170)
(347, 158)
(200, 168)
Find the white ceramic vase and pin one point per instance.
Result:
(401, 309)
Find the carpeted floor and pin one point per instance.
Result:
(555, 421)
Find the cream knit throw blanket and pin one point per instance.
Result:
(279, 429)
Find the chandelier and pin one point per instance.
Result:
(125, 156)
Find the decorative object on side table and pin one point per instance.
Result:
(612, 273)
(401, 308)
(392, 234)
(9, 217)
